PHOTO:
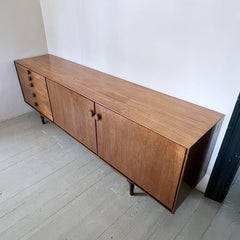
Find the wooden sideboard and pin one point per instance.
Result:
(158, 142)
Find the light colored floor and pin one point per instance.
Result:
(53, 188)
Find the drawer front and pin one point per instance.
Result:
(151, 161)
(35, 90)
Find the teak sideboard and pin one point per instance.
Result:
(158, 142)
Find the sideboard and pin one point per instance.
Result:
(159, 143)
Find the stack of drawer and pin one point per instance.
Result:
(35, 90)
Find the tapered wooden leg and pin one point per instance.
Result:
(43, 119)
(131, 188)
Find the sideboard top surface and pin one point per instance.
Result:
(180, 121)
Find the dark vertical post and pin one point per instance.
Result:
(228, 159)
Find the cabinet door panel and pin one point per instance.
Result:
(148, 159)
(71, 112)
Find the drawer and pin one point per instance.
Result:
(35, 90)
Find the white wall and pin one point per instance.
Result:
(185, 48)
(21, 35)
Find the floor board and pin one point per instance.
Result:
(51, 187)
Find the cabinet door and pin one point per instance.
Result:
(148, 159)
(73, 113)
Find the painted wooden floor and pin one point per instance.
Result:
(53, 188)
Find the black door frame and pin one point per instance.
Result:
(228, 159)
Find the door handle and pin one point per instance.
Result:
(91, 113)
(98, 117)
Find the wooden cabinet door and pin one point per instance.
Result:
(148, 159)
(72, 112)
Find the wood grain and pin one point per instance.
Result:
(182, 122)
(145, 157)
(71, 112)
(35, 90)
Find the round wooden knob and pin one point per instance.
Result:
(34, 94)
(35, 104)
(98, 117)
(91, 113)
(30, 78)
(31, 84)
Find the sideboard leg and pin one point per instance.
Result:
(131, 188)
(43, 119)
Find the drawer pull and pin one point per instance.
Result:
(91, 113)
(98, 117)
(31, 84)
(35, 104)
(28, 71)
(30, 78)
(34, 94)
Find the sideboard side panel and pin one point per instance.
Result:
(198, 158)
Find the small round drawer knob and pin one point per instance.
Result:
(34, 94)
(98, 117)
(31, 84)
(91, 113)
(35, 104)
(30, 78)
(28, 71)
